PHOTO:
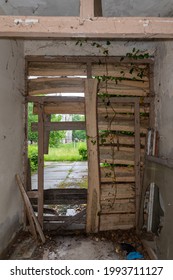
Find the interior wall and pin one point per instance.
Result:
(164, 97)
(158, 173)
(162, 176)
(11, 137)
(87, 47)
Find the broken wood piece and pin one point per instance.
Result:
(30, 212)
(73, 219)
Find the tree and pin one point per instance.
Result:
(55, 136)
(78, 134)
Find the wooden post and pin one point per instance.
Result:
(90, 8)
(40, 163)
(93, 199)
(137, 159)
(47, 118)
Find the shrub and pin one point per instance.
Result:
(83, 151)
(33, 156)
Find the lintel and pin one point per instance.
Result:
(37, 28)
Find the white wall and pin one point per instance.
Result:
(117, 48)
(164, 97)
(11, 137)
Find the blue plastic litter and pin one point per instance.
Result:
(134, 256)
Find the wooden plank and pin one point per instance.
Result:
(123, 190)
(53, 68)
(65, 196)
(113, 205)
(40, 27)
(119, 70)
(127, 83)
(91, 59)
(119, 158)
(31, 215)
(125, 92)
(28, 177)
(32, 194)
(90, 8)
(137, 160)
(55, 226)
(118, 108)
(106, 138)
(73, 219)
(54, 126)
(47, 118)
(117, 174)
(63, 108)
(117, 221)
(55, 85)
(54, 99)
(40, 163)
(122, 125)
(93, 203)
(112, 149)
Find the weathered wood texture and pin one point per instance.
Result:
(34, 224)
(56, 69)
(61, 196)
(40, 163)
(117, 118)
(117, 221)
(90, 9)
(123, 121)
(38, 27)
(63, 105)
(60, 126)
(93, 203)
(55, 85)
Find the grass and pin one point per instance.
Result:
(65, 152)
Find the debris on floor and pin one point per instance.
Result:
(112, 245)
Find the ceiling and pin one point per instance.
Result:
(158, 8)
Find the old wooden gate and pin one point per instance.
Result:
(118, 106)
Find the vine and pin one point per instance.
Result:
(107, 137)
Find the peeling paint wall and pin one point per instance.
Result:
(11, 137)
(82, 47)
(164, 97)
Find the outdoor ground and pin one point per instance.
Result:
(63, 174)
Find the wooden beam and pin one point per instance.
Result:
(30, 211)
(54, 126)
(87, 59)
(90, 8)
(137, 160)
(54, 99)
(93, 202)
(63, 108)
(73, 27)
(47, 118)
(55, 85)
(40, 164)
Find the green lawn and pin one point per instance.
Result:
(65, 152)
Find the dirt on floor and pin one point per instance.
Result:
(76, 246)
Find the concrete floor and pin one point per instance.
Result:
(63, 175)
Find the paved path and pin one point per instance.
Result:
(63, 175)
